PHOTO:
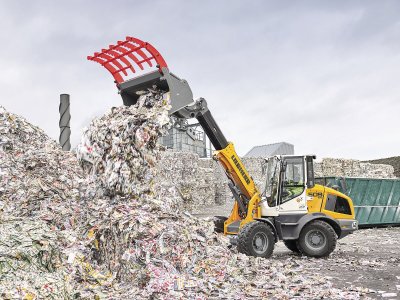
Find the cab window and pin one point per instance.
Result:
(293, 182)
(337, 204)
(342, 206)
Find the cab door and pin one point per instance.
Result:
(293, 186)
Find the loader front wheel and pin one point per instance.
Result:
(317, 239)
(256, 239)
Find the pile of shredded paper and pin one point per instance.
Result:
(103, 225)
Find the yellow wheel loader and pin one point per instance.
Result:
(307, 217)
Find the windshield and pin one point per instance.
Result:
(293, 181)
(271, 186)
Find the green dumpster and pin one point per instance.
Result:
(376, 201)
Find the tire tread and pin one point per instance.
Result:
(332, 238)
(245, 235)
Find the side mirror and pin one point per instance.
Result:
(264, 167)
(284, 166)
(335, 187)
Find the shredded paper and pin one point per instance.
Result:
(109, 221)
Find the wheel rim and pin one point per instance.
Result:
(315, 239)
(260, 242)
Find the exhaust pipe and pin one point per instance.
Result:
(65, 117)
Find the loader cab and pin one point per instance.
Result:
(287, 178)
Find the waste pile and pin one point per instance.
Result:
(140, 243)
(219, 181)
(339, 167)
(38, 192)
(195, 184)
(124, 234)
(254, 166)
(38, 178)
(30, 261)
(393, 161)
(119, 149)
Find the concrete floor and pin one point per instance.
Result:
(369, 258)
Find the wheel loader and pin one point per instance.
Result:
(307, 217)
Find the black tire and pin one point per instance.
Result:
(317, 239)
(219, 224)
(256, 239)
(292, 245)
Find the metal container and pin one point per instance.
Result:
(376, 201)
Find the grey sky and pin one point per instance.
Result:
(322, 75)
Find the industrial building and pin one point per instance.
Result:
(190, 138)
(265, 151)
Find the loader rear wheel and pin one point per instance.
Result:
(256, 239)
(317, 239)
(292, 245)
(219, 223)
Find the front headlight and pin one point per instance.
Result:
(354, 225)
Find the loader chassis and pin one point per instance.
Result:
(297, 200)
(307, 217)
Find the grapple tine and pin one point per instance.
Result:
(140, 51)
(145, 57)
(122, 58)
(107, 56)
(108, 66)
(133, 48)
(128, 53)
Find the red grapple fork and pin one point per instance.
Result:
(124, 59)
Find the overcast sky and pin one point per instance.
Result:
(322, 75)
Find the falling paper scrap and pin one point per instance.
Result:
(119, 149)
(124, 235)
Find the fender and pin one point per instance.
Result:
(303, 221)
(271, 224)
